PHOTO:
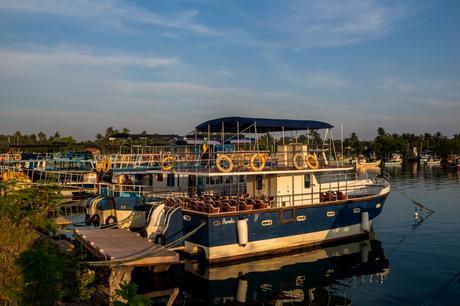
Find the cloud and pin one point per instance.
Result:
(292, 25)
(307, 24)
(393, 84)
(111, 13)
(43, 87)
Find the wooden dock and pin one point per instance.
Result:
(125, 247)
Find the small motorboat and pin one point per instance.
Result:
(395, 160)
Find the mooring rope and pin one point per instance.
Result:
(416, 203)
(418, 219)
(129, 258)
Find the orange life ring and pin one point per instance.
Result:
(311, 161)
(257, 162)
(17, 157)
(224, 167)
(167, 163)
(299, 157)
(99, 166)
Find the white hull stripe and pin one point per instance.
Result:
(275, 244)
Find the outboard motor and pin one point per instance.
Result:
(91, 210)
(164, 224)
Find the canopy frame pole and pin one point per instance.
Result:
(209, 149)
(341, 141)
(238, 135)
(257, 137)
(222, 134)
(196, 150)
(282, 128)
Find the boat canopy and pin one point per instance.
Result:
(262, 125)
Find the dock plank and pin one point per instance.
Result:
(122, 244)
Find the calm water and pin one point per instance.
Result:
(403, 265)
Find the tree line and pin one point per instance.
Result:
(383, 145)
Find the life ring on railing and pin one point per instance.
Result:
(167, 163)
(99, 166)
(224, 163)
(311, 161)
(17, 157)
(108, 165)
(257, 162)
(299, 161)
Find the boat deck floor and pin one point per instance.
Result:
(125, 247)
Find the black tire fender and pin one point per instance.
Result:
(96, 220)
(160, 239)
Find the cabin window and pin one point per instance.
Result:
(259, 181)
(306, 181)
(170, 180)
(160, 177)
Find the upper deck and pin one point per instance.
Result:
(235, 146)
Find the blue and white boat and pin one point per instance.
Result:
(290, 200)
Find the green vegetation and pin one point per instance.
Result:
(127, 295)
(33, 269)
(383, 144)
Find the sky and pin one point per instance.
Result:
(80, 66)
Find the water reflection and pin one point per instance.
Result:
(319, 277)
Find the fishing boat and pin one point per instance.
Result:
(395, 160)
(290, 200)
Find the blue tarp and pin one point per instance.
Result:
(263, 125)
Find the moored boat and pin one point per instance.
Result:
(453, 163)
(433, 161)
(291, 200)
(362, 163)
(395, 160)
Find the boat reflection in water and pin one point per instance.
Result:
(315, 277)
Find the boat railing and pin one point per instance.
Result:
(48, 177)
(244, 201)
(162, 192)
(191, 159)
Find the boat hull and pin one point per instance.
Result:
(393, 163)
(365, 165)
(278, 230)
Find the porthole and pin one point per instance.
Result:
(267, 222)
(187, 218)
(378, 205)
(357, 210)
(330, 213)
(301, 218)
(216, 223)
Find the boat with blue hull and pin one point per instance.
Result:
(291, 198)
(275, 229)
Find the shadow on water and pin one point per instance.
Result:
(319, 277)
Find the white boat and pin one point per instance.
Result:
(395, 160)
